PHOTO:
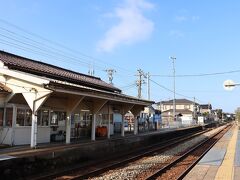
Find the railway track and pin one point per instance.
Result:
(160, 170)
(96, 168)
(181, 165)
(146, 167)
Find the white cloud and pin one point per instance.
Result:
(132, 27)
(195, 18)
(181, 18)
(176, 34)
(186, 18)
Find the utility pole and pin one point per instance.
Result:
(174, 93)
(110, 73)
(194, 109)
(148, 83)
(140, 81)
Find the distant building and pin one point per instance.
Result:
(186, 110)
(205, 108)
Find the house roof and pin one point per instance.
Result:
(23, 64)
(178, 111)
(177, 101)
(4, 89)
(205, 106)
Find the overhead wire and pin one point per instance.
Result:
(46, 50)
(199, 75)
(163, 87)
(58, 44)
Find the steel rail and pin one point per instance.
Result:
(72, 172)
(164, 169)
(172, 142)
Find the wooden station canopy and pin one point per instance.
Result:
(46, 80)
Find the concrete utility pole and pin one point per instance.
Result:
(140, 81)
(110, 75)
(194, 109)
(148, 83)
(174, 93)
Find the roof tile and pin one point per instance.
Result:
(43, 69)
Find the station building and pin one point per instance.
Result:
(41, 103)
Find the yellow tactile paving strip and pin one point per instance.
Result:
(226, 170)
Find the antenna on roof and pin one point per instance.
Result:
(91, 71)
(110, 73)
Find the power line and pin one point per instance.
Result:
(199, 75)
(57, 44)
(48, 51)
(170, 89)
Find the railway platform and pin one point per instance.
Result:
(23, 161)
(222, 162)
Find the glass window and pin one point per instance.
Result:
(1, 116)
(28, 118)
(9, 116)
(54, 118)
(45, 117)
(62, 118)
(39, 116)
(20, 117)
(24, 117)
(86, 119)
(58, 118)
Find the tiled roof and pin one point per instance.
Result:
(182, 111)
(50, 71)
(206, 106)
(177, 101)
(4, 89)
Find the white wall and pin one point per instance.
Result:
(22, 135)
(6, 136)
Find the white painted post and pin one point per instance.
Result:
(33, 131)
(68, 129)
(93, 137)
(14, 119)
(122, 129)
(135, 126)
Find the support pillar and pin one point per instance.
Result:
(122, 129)
(97, 106)
(34, 131)
(72, 104)
(135, 126)
(93, 137)
(68, 129)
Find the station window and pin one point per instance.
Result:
(9, 116)
(24, 117)
(57, 118)
(105, 117)
(86, 119)
(43, 117)
(1, 116)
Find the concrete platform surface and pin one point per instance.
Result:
(222, 162)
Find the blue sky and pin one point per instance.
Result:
(133, 34)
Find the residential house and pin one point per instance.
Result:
(150, 118)
(205, 108)
(185, 112)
